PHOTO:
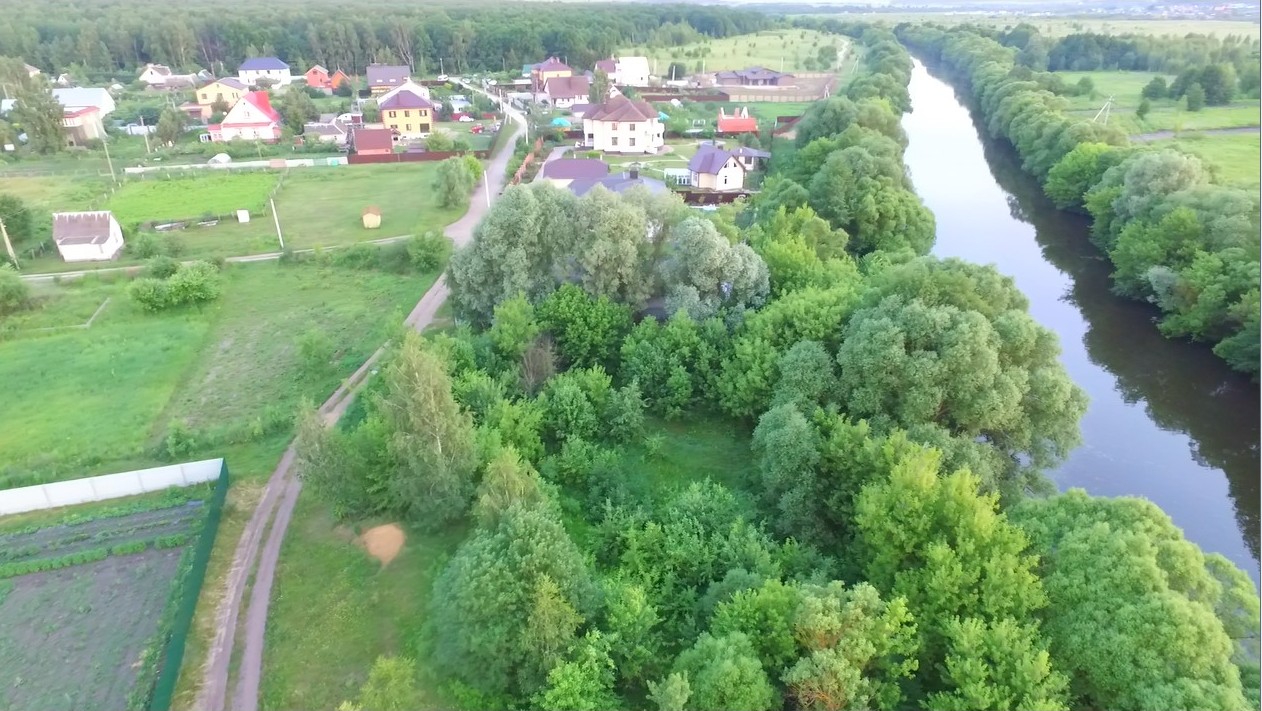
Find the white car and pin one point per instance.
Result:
(467, 119)
(442, 77)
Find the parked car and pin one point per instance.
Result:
(442, 77)
(466, 119)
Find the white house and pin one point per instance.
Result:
(251, 119)
(87, 236)
(626, 71)
(155, 74)
(621, 125)
(251, 71)
(564, 92)
(76, 98)
(713, 168)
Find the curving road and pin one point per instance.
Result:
(258, 549)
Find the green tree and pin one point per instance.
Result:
(439, 141)
(507, 605)
(170, 125)
(1195, 97)
(514, 327)
(1085, 87)
(391, 686)
(635, 638)
(724, 673)
(995, 667)
(1139, 615)
(588, 331)
(506, 481)
(598, 93)
(1218, 81)
(38, 114)
(297, 109)
(15, 293)
(453, 181)
(705, 273)
(18, 222)
(431, 438)
(1142, 110)
(672, 693)
(1080, 170)
(584, 684)
(611, 256)
(1155, 89)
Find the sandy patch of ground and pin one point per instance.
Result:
(383, 542)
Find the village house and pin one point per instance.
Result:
(626, 71)
(319, 78)
(753, 76)
(372, 141)
(251, 119)
(619, 183)
(621, 125)
(384, 77)
(551, 68)
(739, 122)
(87, 236)
(228, 90)
(750, 158)
(82, 124)
(334, 132)
(713, 168)
(407, 113)
(265, 69)
(564, 92)
(77, 98)
(155, 74)
(563, 171)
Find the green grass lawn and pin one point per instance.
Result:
(781, 50)
(92, 401)
(1234, 159)
(1166, 115)
(189, 197)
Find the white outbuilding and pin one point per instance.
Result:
(87, 236)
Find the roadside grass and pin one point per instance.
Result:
(48, 193)
(99, 400)
(1233, 159)
(782, 50)
(363, 610)
(158, 198)
(1059, 27)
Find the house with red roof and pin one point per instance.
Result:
(252, 118)
(739, 122)
(408, 113)
(372, 141)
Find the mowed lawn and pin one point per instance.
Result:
(189, 197)
(781, 50)
(101, 399)
(1233, 158)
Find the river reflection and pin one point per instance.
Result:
(1168, 420)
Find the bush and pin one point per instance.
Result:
(428, 252)
(188, 284)
(152, 294)
(161, 267)
(316, 349)
(15, 294)
(439, 141)
(146, 245)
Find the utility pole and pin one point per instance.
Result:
(276, 219)
(486, 185)
(144, 133)
(13, 257)
(105, 142)
(440, 66)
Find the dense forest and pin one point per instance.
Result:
(100, 38)
(894, 545)
(1175, 239)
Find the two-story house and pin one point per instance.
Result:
(384, 77)
(621, 125)
(713, 168)
(564, 92)
(626, 71)
(82, 124)
(250, 119)
(408, 113)
(550, 68)
(268, 69)
(227, 91)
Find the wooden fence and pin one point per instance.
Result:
(412, 157)
(530, 158)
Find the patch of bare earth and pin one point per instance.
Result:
(383, 542)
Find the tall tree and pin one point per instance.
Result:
(38, 114)
(170, 125)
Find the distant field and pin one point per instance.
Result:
(781, 50)
(1233, 158)
(1063, 26)
(1166, 115)
(191, 197)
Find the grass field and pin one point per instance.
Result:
(100, 618)
(781, 50)
(1234, 159)
(1166, 115)
(1058, 27)
(191, 197)
(366, 610)
(107, 394)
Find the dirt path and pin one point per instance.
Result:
(273, 513)
(1164, 135)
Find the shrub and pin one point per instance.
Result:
(146, 245)
(429, 251)
(358, 256)
(316, 349)
(15, 294)
(152, 294)
(161, 267)
(194, 283)
(439, 141)
(179, 441)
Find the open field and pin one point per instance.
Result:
(1166, 114)
(1060, 26)
(160, 198)
(93, 602)
(1234, 159)
(234, 369)
(781, 50)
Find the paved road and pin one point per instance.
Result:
(255, 558)
(1164, 135)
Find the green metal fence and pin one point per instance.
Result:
(186, 593)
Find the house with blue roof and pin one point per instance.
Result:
(267, 69)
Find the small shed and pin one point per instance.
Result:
(87, 236)
(372, 217)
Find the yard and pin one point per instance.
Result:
(781, 50)
(82, 600)
(233, 371)
(156, 198)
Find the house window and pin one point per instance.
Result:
(632, 143)
(633, 130)
(407, 114)
(725, 180)
(409, 127)
(205, 97)
(392, 114)
(613, 141)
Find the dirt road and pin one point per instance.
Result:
(256, 557)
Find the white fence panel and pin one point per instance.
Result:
(107, 486)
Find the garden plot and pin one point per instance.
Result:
(191, 197)
(84, 606)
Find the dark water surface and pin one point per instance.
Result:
(1168, 420)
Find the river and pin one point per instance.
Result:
(1168, 420)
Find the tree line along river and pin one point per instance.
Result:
(1168, 420)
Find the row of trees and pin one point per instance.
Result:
(1089, 51)
(101, 40)
(1175, 239)
(901, 406)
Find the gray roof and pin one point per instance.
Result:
(324, 129)
(261, 63)
(709, 159)
(745, 152)
(619, 183)
(387, 74)
(575, 168)
(82, 227)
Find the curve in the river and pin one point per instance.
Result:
(1168, 420)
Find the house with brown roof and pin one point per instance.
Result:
(373, 141)
(87, 236)
(408, 113)
(384, 77)
(753, 76)
(550, 68)
(564, 92)
(622, 125)
(713, 168)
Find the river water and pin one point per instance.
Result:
(1168, 420)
